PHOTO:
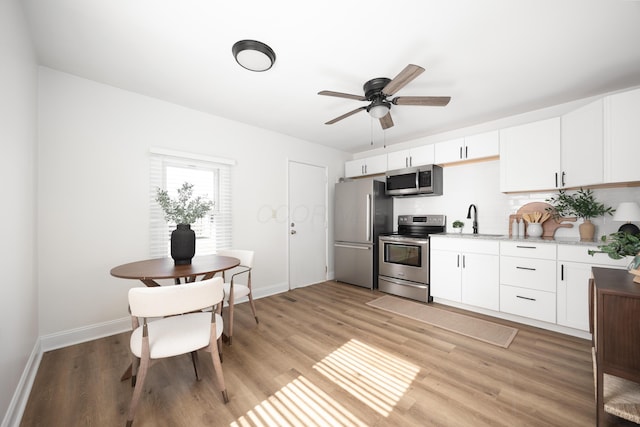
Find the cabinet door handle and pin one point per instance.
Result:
(527, 298)
(458, 265)
(466, 152)
(556, 179)
(526, 247)
(563, 174)
(464, 263)
(561, 271)
(526, 268)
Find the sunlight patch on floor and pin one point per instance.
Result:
(374, 377)
(299, 403)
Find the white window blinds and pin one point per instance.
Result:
(211, 179)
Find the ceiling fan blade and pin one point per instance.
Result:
(409, 73)
(386, 122)
(344, 116)
(433, 101)
(342, 95)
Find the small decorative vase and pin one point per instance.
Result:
(183, 244)
(534, 229)
(587, 230)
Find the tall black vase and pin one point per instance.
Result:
(183, 244)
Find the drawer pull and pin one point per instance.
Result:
(526, 247)
(526, 268)
(527, 298)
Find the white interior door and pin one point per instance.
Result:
(307, 224)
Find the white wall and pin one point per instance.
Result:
(18, 304)
(94, 192)
(479, 183)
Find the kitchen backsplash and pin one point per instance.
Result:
(479, 183)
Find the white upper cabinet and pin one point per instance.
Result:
(472, 147)
(530, 156)
(582, 146)
(449, 151)
(412, 157)
(482, 145)
(366, 166)
(622, 137)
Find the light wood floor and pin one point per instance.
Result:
(320, 356)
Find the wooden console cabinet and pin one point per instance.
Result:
(615, 325)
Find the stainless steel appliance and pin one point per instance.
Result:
(362, 213)
(421, 180)
(404, 256)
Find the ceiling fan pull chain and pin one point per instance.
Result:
(371, 122)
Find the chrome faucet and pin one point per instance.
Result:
(475, 217)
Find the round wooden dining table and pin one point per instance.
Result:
(150, 270)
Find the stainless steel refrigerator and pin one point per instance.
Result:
(362, 213)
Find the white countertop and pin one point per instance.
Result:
(505, 237)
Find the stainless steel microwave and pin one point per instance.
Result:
(421, 180)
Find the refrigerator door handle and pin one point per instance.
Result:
(340, 245)
(368, 222)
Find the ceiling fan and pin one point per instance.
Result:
(378, 90)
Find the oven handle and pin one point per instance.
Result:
(404, 240)
(339, 245)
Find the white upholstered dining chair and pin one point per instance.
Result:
(181, 328)
(234, 289)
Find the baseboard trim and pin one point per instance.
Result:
(45, 343)
(84, 334)
(18, 403)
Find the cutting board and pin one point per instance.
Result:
(549, 227)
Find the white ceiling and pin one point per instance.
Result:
(495, 58)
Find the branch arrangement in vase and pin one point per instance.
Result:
(184, 209)
(582, 204)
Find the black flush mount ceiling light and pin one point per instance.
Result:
(253, 55)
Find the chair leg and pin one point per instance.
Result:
(137, 391)
(194, 359)
(230, 322)
(135, 365)
(253, 307)
(217, 365)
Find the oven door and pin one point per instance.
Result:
(405, 258)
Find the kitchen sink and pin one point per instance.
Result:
(479, 236)
(485, 236)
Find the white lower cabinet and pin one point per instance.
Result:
(446, 279)
(528, 280)
(526, 302)
(574, 273)
(541, 281)
(465, 270)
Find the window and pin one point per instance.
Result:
(211, 178)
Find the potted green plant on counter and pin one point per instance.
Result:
(582, 204)
(183, 211)
(619, 245)
(457, 224)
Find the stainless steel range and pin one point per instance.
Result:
(404, 256)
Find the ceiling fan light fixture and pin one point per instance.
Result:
(378, 109)
(253, 55)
